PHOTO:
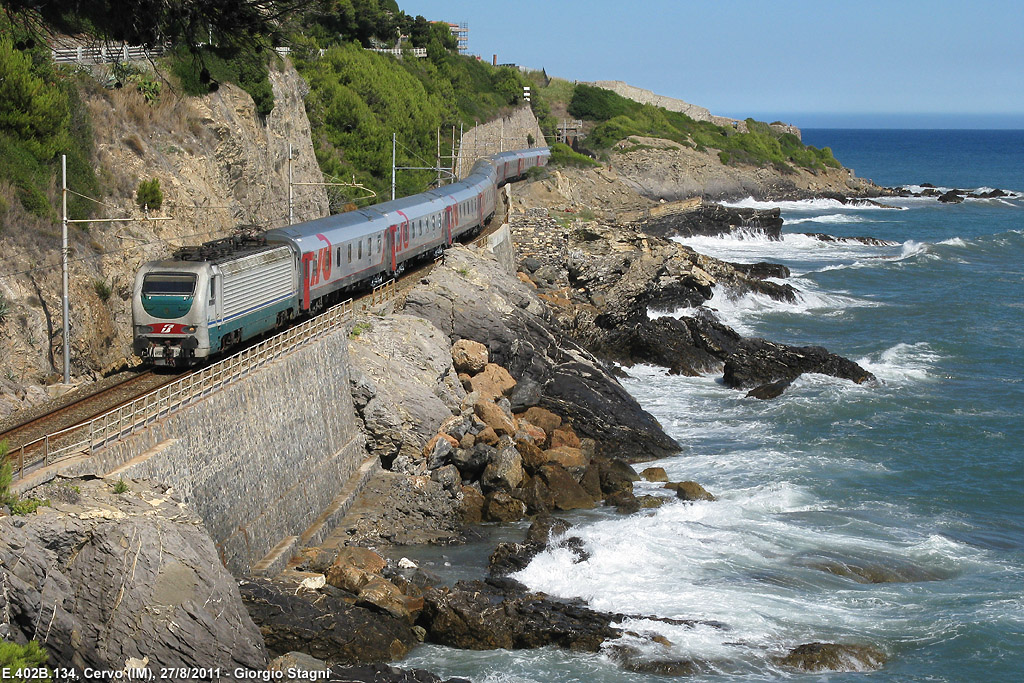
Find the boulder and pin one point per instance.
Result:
(689, 490)
(564, 436)
(755, 362)
(382, 594)
(565, 492)
(624, 502)
(324, 624)
(448, 477)
(616, 476)
(353, 567)
(472, 507)
(469, 357)
(504, 472)
(494, 417)
(499, 613)
(536, 496)
(769, 391)
(591, 481)
(112, 577)
(502, 507)
(487, 436)
(654, 474)
(571, 459)
(833, 657)
(952, 197)
(531, 432)
(533, 457)
(492, 382)
(544, 419)
(471, 462)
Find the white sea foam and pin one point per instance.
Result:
(796, 249)
(831, 218)
(805, 205)
(744, 312)
(902, 363)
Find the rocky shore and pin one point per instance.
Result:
(488, 396)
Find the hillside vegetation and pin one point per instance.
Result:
(616, 118)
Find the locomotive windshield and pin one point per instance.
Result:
(169, 284)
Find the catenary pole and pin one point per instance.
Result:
(64, 265)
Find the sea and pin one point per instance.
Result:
(889, 514)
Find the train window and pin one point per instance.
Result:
(174, 284)
(337, 256)
(369, 246)
(360, 249)
(350, 252)
(379, 243)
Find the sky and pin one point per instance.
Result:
(813, 63)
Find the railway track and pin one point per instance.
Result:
(26, 439)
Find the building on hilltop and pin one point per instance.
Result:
(461, 33)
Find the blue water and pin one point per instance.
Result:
(918, 478)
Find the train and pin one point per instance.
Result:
(212, 297)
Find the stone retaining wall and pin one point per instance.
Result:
(258, 460)
(500, 135)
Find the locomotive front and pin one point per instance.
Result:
(169, 314)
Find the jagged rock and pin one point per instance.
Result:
(833, 657)
(566, 494)
(471, 462)
(118, 576)
(715, 220)
(769, 391)
(495, 308)
(654, 474)
(504, 472)
(544, 419)
(689, 490)
(616, 476)
(324, 624)
(536, 496)
(624, 502)
(757, 361)
(447, 476)
(492, 382)
(494, 417)
(469, 356)
(409, 364)
(564, 436)
(502, 507)
(952, 197)
(472, 508)
(496, 614)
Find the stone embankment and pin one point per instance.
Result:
(518, 130)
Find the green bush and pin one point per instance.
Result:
(149, 194)
(563, 155)
(243, 64)
(102, 289)
(597, 104)
(41, 117)
(26, 506)
(120, 487)
(29, 656)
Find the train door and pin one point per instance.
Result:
(392, 247)
(446, 227)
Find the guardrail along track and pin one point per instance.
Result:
(89, 435)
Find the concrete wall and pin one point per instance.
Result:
(260, 459)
